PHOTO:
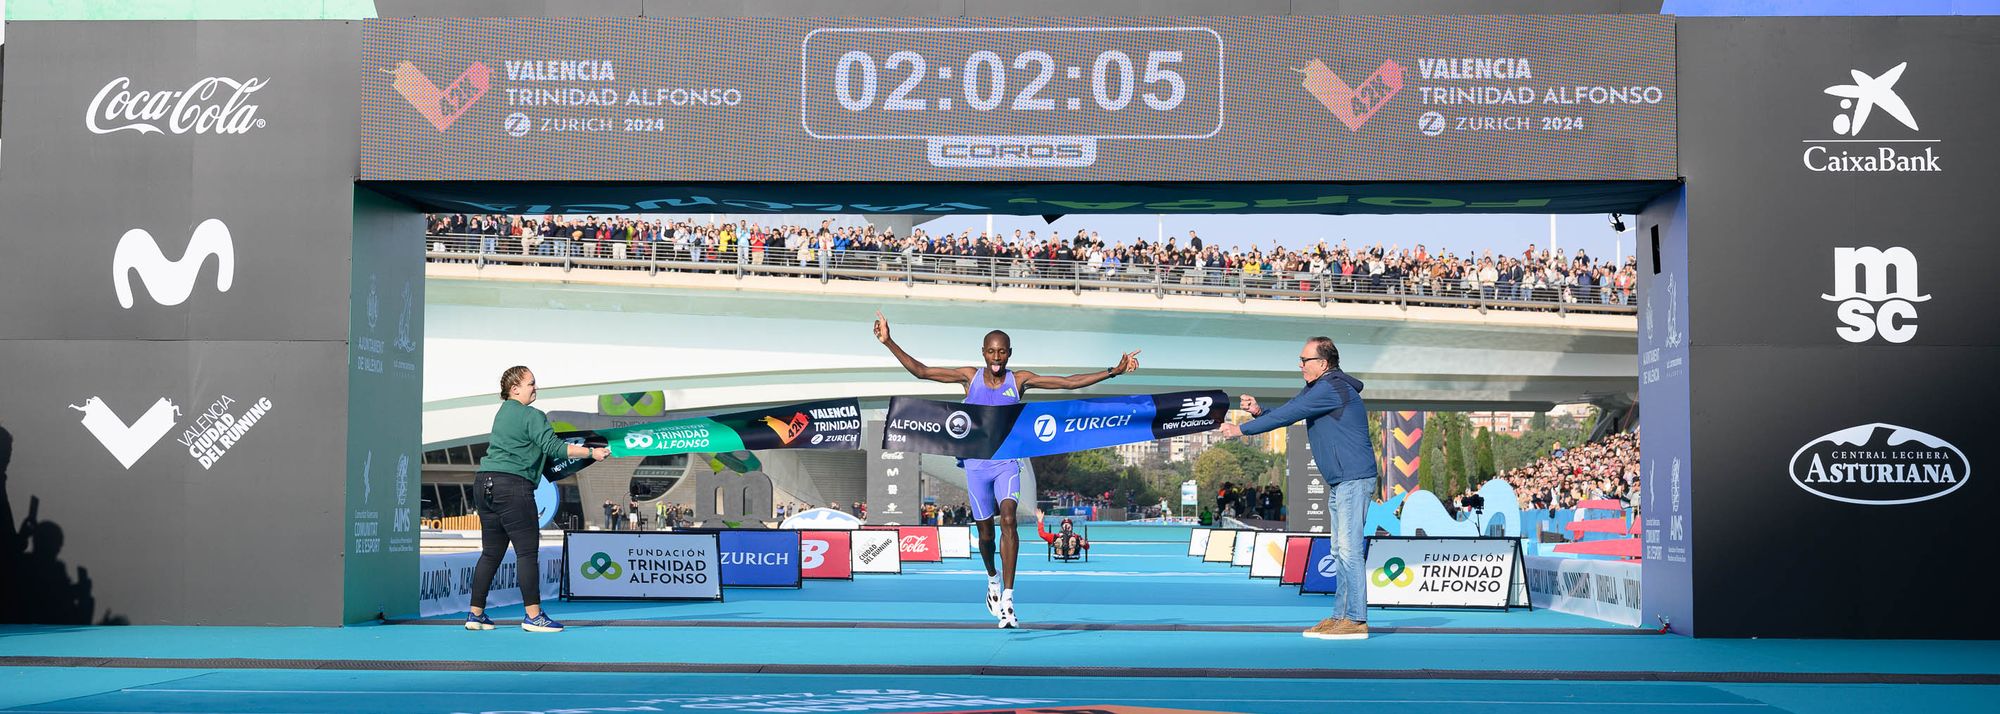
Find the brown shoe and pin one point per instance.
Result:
(1342, 630)
(1327, 628)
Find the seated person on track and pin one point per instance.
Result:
(1068, 544)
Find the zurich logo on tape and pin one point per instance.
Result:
(1045, 427)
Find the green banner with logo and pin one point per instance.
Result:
(831, 424)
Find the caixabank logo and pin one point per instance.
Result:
(1880, 465)
(1882, 150)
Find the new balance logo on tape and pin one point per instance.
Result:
(170, 282)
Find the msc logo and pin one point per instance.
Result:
(170, 282)
(1875, 289)
(958, 425)
(441, 107)
(1045, 427)
(1194, 407)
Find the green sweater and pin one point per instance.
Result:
(522, 443)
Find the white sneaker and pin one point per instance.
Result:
(993, 600)
(1007, 619)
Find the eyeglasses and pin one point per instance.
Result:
(1304, 360)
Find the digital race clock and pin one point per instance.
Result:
(1012, 96)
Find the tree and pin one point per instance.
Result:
(1454, 458)
(1483, 457)
(1213, 467)
(1431, 451)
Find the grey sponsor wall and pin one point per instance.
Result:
(176, 286)
(894, 492)
(1306, 504)
(1838, 172)
(384, 409)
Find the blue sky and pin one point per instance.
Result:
(1457, 234)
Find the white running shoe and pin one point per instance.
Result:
(993, 600)
(1006, 615)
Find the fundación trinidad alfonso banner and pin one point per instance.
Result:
(1017, 431)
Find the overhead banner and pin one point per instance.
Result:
(831, 424)
(826, 555)
(1446, 572)
(1015, 431)
(642, 566)
(1402, 452)
(760, 558)
(955, 542)
(1268, 557)
(1493, 98)
(877, 551)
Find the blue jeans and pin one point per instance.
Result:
(1347, 504)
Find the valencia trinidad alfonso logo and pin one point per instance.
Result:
(1353, 105)
(441, 107)
(1878, 153)
(170, 282)
(787, 431)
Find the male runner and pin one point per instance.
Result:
(994, 486)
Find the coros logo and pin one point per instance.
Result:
(958, 425)
(1880, 465)
(602, 566)
(199, 109)
(1393, 572)
(170, 282)
(1045, 427)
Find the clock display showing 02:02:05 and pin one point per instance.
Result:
(1162, 82)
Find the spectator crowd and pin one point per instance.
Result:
(1533, 275)
(1608, 468)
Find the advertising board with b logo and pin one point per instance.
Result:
(826, 555)
(642, 566)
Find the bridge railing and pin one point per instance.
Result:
(995, 273)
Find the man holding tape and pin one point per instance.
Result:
(994, 485)
(1337, 432)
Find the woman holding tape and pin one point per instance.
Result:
(519, 449)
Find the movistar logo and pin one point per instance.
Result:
(170, 282)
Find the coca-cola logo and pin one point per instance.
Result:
(214, 105)
(915, 544)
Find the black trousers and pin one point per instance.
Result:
(506, 507)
